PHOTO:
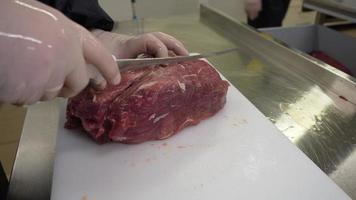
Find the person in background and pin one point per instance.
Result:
(266, 13)
(47, 52)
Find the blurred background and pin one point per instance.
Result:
(121, 10)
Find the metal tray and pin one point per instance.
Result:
(315, 37)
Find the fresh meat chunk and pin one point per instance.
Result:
(149, 104)
(331, 61)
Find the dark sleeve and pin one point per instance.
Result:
(87, 13)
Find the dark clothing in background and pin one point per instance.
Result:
(272, 14)
(87, 13)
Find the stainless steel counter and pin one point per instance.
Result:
(311, 103)
(343, 9)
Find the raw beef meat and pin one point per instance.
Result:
(331, 61)
(152, 103)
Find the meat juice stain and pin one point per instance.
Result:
(343, 98)
(164, 144)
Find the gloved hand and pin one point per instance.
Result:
(253, 8)
(43, 54)
(156, 44)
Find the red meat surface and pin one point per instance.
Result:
(152, 103)
(331, 61)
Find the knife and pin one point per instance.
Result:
(125, 64)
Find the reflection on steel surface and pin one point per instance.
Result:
(312, 105)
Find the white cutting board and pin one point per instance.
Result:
(236, 154)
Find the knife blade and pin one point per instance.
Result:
(125, 64)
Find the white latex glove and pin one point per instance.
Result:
(43, 54)
(156, 44)
(253, 8)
